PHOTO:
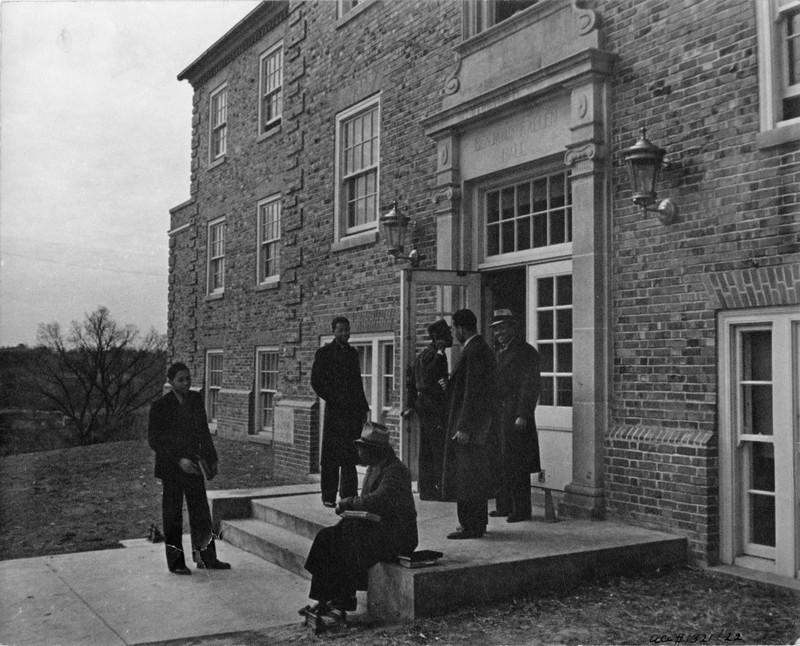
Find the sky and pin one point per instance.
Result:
(95, 145)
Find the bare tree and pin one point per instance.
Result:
(101, 372)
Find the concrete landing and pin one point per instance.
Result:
(511, 559)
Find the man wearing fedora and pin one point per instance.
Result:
(519, 382)
(426, 396)
(341, 555)
(470, 453)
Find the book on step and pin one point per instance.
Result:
(420, 558)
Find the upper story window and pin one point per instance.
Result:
(269, 240)
(213, 385)
(219, 123)
(346, 6)
(479, 15)
(528, 215)
(216, 256)
(271, 89)
(778, 23)
(358, 155)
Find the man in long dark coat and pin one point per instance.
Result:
(519, 383)
(336, 378)
(426, 396)
(471, 440)
(178, 433)
(341, 555)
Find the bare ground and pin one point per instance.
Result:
(74, 500)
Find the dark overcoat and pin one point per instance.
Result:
(336, 378)
(176, 432)
(472, 399)
(519, 383)
(341, 555)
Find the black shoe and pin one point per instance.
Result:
(180, 570)
(462, 534)
(213, 565)
(514, 518)
(328, 503)
(498, 514)
(348, 605)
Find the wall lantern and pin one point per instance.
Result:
(645, 160)
(395, 227)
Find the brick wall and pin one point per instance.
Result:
(688, 71)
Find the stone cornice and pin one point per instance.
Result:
(263, 19)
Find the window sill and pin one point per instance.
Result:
(269, 284)
(217, 162)
(781, 134)
(262, 437)
(355, 11)
(268, 134)
(215, 296)
(356, 240)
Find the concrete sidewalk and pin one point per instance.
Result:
(127, 596)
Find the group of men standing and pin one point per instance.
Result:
(477, 429)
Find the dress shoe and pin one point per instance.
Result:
(515, 518)
(213, 565)
(498, 514)
(457, 536)
(327, 503)
(180, 570)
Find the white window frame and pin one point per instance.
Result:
(269, 88)
(784, 324)
(773, 72)
(261, 353)
(341, 212)
(212, 390)
(375, 396)
(274, 242)
(218, 123)
(216, 258)
(555, 416)
(480, 15)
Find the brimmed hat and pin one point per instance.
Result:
(438, 329)
(503, 316)
(374, 435)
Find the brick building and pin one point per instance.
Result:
(671, 347)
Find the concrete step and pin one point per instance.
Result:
(267, 512)
(274, 544)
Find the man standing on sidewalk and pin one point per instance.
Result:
(471, 443)
(336, 378)
(178, 433)
(519, 381)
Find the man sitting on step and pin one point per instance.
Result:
(341, 555)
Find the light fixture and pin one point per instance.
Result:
(645, 160)
(395, 226)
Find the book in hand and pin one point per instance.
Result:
(205, 468)
(420, 558)
(363, 515)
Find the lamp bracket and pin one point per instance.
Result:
(667, 211)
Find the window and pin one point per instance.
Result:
(216, 257)
(213, 384)
(528, 215)
(376, 358)
(480, 15)
(219, 123)
(271, 89)
(550, 327)
(269, 240)
(346, 9)
(266, 388)
(358, 141)
(778, 23)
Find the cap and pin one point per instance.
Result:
(503, 316)
(374, 435)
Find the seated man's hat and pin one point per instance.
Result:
(374, 435)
